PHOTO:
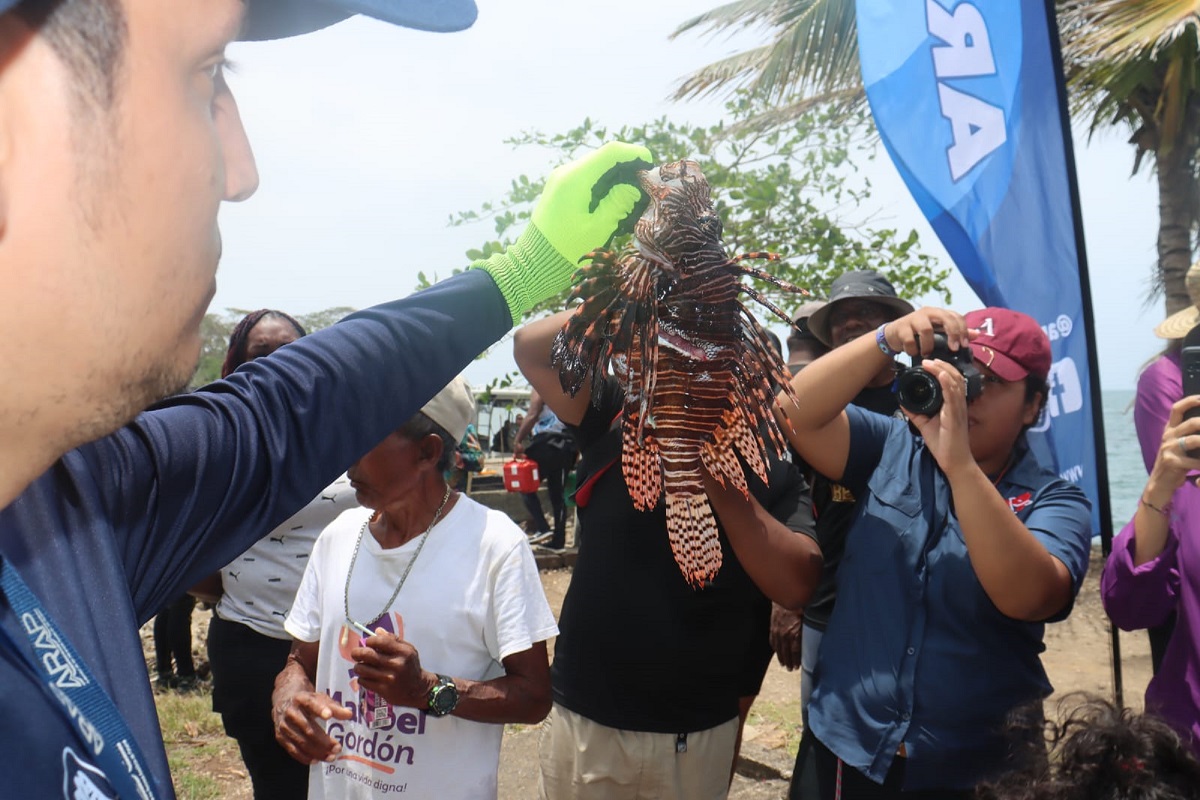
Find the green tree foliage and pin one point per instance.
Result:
(215, 330)
(793, 191)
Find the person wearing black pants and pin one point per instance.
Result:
(173, 642)
(247, 663)
(554, 450)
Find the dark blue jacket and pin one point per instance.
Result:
(119, 527)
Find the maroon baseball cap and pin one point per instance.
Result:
(1010, 344)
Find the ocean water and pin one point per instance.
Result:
(1126, 472)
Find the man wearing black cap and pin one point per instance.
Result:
(859, 303)
(119, 139)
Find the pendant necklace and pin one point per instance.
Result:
(354, 558)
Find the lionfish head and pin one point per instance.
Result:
(680, 221)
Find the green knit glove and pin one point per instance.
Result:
(585, 203)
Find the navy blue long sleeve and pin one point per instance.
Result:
(120, 526)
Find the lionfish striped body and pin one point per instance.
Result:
(698, 371)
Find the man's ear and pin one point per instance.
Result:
(432, 447)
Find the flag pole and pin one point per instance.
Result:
(1105, 510)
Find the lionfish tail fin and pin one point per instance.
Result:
(692, 531)
(641, 465)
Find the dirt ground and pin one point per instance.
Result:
(1077, 658)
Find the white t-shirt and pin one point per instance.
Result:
(259, 585)
(473, 598)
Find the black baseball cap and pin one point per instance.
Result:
(864, 284)
(278, 19)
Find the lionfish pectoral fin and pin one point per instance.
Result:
(722, 463)
(648, 335)
(641, 465)
(692, 531)
(766, 302)
(747, 442)
(582, 347)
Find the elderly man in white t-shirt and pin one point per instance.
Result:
(420, 628)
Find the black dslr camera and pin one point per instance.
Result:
(919, 390)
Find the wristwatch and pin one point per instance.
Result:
(443, 697)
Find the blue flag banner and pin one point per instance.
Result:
(966, 97)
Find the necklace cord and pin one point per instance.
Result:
(354, 559)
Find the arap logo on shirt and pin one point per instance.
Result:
(82, 781)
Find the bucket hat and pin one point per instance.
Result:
(864, 284)
(1178, 324)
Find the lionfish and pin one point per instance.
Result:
(698, 371)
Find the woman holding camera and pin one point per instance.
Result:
(962, 546)
(1154, 571)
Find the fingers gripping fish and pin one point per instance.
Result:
(697, 369)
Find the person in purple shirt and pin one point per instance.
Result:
(1159, 386)
(1154, 571)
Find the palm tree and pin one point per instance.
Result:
(1129, 63)
(1134, 63)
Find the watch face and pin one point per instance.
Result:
(444, 698)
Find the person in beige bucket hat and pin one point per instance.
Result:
(1178, 324)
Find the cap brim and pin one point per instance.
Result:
(279, 19)
(1178, 324)
(818, 322)
(1004, 367)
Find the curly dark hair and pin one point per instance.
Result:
(1101, 752)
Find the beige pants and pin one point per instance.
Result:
(584, 760)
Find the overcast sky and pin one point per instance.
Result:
(368, 137)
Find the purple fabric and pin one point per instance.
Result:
(1144, 596)
(1159, 387)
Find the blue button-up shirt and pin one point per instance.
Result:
(915, 652)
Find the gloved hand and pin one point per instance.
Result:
(585, 203)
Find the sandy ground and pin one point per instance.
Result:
(1077, 658)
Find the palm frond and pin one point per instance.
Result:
(737, 14)
(727, 75)
(1134, 62)
(843, 105)
(1124, 29)
(813, 49)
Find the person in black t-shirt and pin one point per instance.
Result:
(647, 671)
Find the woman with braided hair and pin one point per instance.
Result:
(247, 645)
(259, 333)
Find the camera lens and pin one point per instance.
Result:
(919, 392)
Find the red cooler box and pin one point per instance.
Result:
(521, 475)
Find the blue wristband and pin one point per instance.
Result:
(884, 347)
